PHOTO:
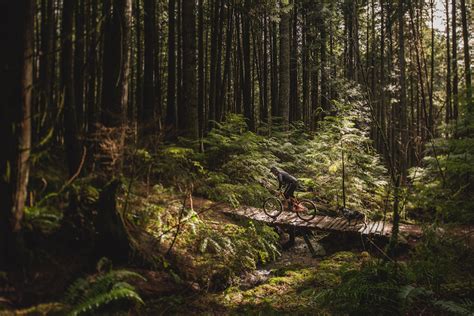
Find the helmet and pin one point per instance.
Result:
(274, 169)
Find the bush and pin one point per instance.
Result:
(444, 183)
(435, 280)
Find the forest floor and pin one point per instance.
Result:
(289, 284)
(285, 285)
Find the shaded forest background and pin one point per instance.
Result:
(205, 96)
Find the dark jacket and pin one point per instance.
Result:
(284, 178)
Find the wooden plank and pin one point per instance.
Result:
(315, 222)
(339, 223)
(374, 228)
(379, 229)
(387, 230)
(368, 228)
(326, 220)
(344, 225)
(356, 226)
(327, 224)
(364, 228)
(334, 223)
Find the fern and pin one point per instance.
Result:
(115, 294)
(87, 295)
(454, 308)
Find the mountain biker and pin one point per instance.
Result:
(289, 182)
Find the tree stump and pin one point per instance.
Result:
(112, 238)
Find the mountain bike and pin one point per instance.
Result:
(304, 208)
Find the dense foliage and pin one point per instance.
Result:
(436, 278)
(234, 164)
(444, 184)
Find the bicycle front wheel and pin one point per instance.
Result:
(272, 207)
(306, 210)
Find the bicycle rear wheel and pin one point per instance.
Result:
(306, 210)
(272, 207)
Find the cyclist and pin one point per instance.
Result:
(289, 182)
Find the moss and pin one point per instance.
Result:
(38, 310)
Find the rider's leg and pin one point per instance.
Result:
(290, 195)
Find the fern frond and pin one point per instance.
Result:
(453, 307)
(117, 293)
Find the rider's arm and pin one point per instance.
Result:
(280, 181)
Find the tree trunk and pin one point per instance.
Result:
(397, 175)
(454, 62)
(226, 74)
(189, 69)
(274, 69)
(324, 71)
(92, 106)
(16, 78)
(110, 226)
(265, 112)
(67, 87)
(295, 106)
(201, 66)
(149, 68)
(247, 72)
(171, 113)
(181, 108)
(467, 59)
(284, 89)
(139, 67)
(432, 70)
(79, 59)
(449, 110)
(116, 64)
(47, 57)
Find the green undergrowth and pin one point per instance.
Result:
(288, 290)
(443, 183)
(232, 163)
(208, 248)
(436, 279)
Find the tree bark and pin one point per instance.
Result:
(67, 87)
(295, 106)
(284, 89)
(247, 71)
(325, 105)
(467, 59)
(79, 58)
(449, 110)
(139, 67)
(189, 69)
(116, 64)
(171, 113)
(92, 106)
(454, 62)
(149, 68)
(201, 68)
(274, 69)
(16, 79)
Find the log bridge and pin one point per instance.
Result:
(380, 231)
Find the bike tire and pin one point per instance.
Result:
(272, 207)
(306, 210)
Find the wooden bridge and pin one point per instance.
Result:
(377, 229)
